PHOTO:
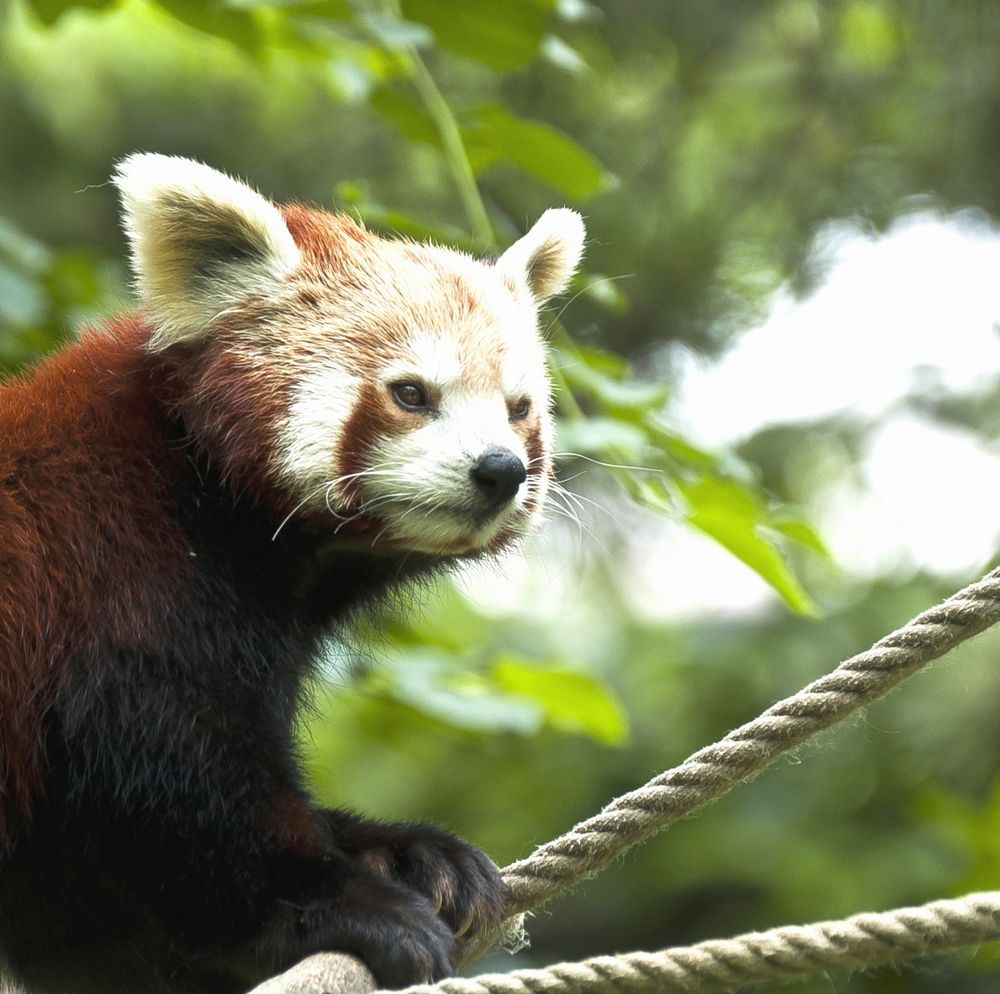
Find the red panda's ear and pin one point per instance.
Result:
(547, 256)
(200, 240)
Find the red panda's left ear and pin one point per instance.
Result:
(547, 256)
(200, 240)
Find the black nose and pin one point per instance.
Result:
(498, 474)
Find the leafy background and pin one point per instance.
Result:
(707, 144)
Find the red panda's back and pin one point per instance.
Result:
(83, 480)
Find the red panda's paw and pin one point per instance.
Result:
(459, 880)
(394, 930)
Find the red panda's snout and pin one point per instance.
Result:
(462, 481)
(424, 460)
(498, 474)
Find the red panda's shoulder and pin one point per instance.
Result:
(76, 394)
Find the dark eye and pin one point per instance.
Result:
(410, 396)
(520, 409)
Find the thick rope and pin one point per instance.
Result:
(786, 953)
(557, 866)
(865, 940)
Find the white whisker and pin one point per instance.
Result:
(298, 507)
(607, 465)
(579, 500)
(579, 293)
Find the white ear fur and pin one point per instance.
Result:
(547, 256)
(200, 241)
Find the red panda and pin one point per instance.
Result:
(302, 417)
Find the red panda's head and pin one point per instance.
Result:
(392, 391)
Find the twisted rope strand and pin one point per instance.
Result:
(718, 965)
(558, 865)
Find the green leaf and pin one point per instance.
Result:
(653, 492)
(626, 398)
(605, 378)
(215, 18)
(502, 35)
(75, 284)
(49, 11)
(425, 680)
(664, 471)
(564, 56)
(868, 35)
(22, 249)
(604, 437)
(678, 448)
(395, 33)
(495, 135)
(413, 121)
(971, 826)
(355, 197)
(568, 354)
(800, 532)
(571, 701)
(604, 290)
(339, 10)
(22, 302)
(732, 515)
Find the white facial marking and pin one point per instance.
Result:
(479, 423)
(434, 360)
(431, 501)
(313, 434)
(523, 369)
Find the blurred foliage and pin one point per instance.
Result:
(707, 144)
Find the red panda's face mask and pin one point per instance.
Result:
(407, 402)
(423, 422)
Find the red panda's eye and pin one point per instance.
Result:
(410, 396)
(520, 409)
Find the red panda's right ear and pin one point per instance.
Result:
(547, 256)
(201, 241)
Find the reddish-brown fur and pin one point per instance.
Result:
(81, 447)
